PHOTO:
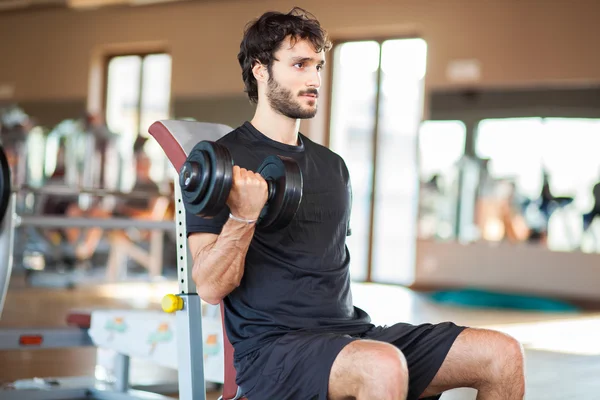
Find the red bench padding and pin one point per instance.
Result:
(174, 152)
(80, 319)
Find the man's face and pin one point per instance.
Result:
(142, 165)
(295, 79)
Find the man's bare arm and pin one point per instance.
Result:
(219, 259)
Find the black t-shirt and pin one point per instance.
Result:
(297, 278)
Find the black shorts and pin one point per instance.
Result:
(296, 366)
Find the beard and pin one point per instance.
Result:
(282, 101)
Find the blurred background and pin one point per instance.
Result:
(471, 130)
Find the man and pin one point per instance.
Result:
(86, 241)
(589, 217)
(141, 245)
(140, 207)
(288, 305)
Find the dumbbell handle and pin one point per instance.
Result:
(190, 176)
(270, 189)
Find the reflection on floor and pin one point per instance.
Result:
(563, 351)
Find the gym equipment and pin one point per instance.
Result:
(65, 190)
(284, 180)
(37, 263)
(6, 245)
(176, 139)
(206, 178)
(190, 358)
(104, 223)
(78, 336)
(89, 330)
(4, 183)
(85, 147)
(54, 264)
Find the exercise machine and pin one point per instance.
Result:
(177, 138)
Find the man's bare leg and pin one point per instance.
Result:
(369, 370)
(85, 250)
(72, 234)
(489, 361)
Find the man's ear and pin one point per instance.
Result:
(260, 72)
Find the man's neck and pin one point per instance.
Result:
(276, 126)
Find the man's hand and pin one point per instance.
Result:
(248, 195)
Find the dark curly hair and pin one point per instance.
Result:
(264, 35)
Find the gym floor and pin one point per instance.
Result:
(563, 353)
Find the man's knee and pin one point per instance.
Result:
(509, 358)
(388, 363)
(378, 368)
(512, 351)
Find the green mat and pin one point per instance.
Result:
(479, 298)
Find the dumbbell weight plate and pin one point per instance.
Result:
(194, 178)
(205, 179)
(223, 179)
(285, 180)
(4, 184)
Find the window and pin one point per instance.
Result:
(352, 122)
(513, 146)
(565, 149)
(138, 93)
(375, 112)
(441, 146)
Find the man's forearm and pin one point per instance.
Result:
(219, 267)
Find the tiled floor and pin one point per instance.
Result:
(563, 351)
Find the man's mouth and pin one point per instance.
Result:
(312, 93)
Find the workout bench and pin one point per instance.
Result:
(177, 139)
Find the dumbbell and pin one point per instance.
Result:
(206, 178)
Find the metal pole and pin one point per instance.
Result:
(6, 250)
(190, 353)
(76, 191)
(373, 197)
(122, 373)
(103, 223)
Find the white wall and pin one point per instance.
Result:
(507, 267)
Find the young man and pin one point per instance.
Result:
(288, 305)
(589, 217)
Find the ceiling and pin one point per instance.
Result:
(12, 5)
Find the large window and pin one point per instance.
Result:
(561, 152)
(138, 93)
(441, 147)
(376, 110)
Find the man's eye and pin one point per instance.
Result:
(299, 65)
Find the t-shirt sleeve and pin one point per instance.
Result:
(196, 224)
